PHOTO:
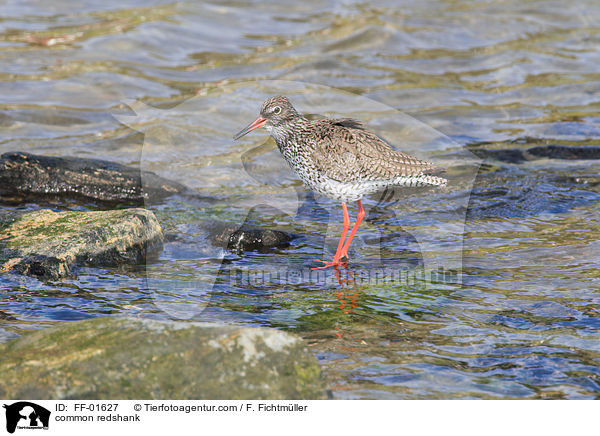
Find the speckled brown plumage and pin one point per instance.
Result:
(346, 152)
(340, 159)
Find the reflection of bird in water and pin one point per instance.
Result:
(338, 158)
(347, 300)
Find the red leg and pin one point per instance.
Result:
(338, 252)
(359, 218)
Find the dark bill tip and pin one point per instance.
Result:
(259, 122)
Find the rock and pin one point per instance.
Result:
(564, 152)
(49, 244)
(517, 155)
(245, 237)
(107, 358)
(589, 180)
(517, 193)
(502, 155)
(24, 175)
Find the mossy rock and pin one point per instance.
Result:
(117, 358)
(49, 244)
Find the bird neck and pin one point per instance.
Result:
(283, 132)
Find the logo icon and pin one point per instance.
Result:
(26, 415)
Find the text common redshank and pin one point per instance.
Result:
(340, 159)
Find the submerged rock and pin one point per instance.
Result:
(564, 152)
(24, 175)
(245, 237)
(513, 155)
(49, 244)
(106, 358)
(531, 190)
(520, 155)
(521, 193)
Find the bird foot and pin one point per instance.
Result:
(343, 261)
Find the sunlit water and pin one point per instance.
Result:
(489, 88)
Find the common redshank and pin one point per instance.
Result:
(340, 159)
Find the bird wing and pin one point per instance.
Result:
(344, 151)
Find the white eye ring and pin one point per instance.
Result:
(277, 110)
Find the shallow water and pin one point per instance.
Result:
(490, 90)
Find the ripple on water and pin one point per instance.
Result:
(515, 83)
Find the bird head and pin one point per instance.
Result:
(275, 112)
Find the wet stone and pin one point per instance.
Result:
(48, 244)
(510, 194)
(24, 176)
(517, 155)
(592, 181)
(245, 237)
(503, 155)
(107, 358)
(565, 152)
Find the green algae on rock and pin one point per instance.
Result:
(118, 358)
(49, 244)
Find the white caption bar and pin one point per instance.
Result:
(77, 417)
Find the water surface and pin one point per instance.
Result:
(507, 92)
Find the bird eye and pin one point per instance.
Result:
(277, 110)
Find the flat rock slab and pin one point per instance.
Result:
(49, 244)
(117, 358)
(24, 175)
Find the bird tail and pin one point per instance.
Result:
(427, 179)
(419, 180)
(433, 176)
